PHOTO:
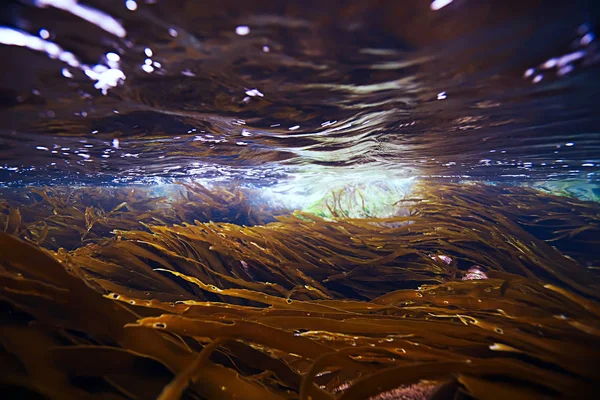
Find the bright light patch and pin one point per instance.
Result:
(551, 63)
(254, 92)
(587, 39)
(362, 192)
(96, 17)
(108, 79)
(569, 58)
(565, 70)
(114, 57)
(44, 34)
(131, 5)
(105, 77)
(242, 30)
(13, 37)
(439, 4)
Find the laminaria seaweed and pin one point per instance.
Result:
(473, 292)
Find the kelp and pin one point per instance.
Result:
(63, 217)
(478, 292)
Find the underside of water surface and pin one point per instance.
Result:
(299, 199)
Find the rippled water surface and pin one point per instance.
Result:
(272, 92)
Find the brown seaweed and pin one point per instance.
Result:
(61, 217)
(180, 307)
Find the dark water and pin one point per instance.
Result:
(312, 199)
(496, 91)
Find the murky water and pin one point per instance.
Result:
(314, 199)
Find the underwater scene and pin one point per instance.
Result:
(317, 200)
